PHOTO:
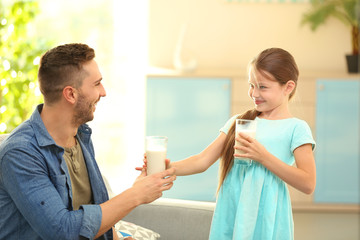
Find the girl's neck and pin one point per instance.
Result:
(273, 115)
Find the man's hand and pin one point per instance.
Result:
(151, 187)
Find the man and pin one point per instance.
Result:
(50, 184)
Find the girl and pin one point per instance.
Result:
(253, 201)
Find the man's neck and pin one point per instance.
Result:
(57, 120)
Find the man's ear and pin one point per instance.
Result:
(290, 86)
(70, 94)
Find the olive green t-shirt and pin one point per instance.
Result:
(81, 188)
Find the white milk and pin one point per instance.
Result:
(251, 133)
(155, 160)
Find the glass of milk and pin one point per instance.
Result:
(249, 128)
(155, 148)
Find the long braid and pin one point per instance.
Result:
(227, 154)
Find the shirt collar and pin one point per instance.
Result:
(42, 135)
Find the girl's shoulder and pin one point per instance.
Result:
(287, 123)
(298, 121)
(292, 120)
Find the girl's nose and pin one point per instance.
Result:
(255, 92)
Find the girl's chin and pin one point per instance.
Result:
(259, 108)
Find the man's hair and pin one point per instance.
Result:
(63, 66)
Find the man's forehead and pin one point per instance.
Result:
(92, 70)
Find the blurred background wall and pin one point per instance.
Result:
(227, 34)
(135, 40)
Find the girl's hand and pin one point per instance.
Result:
(251, 148)
(167, 164)
(144, 166)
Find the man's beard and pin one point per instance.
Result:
(83, 111)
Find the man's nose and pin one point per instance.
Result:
(103, 91)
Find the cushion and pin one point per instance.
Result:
(126, 229)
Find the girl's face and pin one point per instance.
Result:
(269, 96)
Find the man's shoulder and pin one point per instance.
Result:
(18, 138)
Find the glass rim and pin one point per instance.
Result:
(245, 120)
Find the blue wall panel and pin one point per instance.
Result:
(190, 112)
(338, 143)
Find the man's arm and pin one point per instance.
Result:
(39, 196)
(145, 190)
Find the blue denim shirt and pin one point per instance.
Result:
(35, 187)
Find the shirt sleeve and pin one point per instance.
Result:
(37, 198)
(90, 212)
(302, 135)
(226, 127)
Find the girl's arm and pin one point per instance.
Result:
(301, 177)
(200, 162)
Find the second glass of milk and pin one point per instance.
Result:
(249, 128)
(155, 148)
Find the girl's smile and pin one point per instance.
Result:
(269, 96)
(258, 102)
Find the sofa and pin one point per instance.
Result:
(175, 219)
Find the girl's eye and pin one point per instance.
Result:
(262, 87)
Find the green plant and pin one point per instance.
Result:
(19, 55)
(343, 10)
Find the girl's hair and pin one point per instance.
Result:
(63, 66)
(281, 67)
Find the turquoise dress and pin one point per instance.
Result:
(253, 203)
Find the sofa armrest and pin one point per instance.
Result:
(175, 219)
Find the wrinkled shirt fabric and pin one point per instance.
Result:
(35, 187)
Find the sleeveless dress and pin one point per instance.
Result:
(253, 203)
